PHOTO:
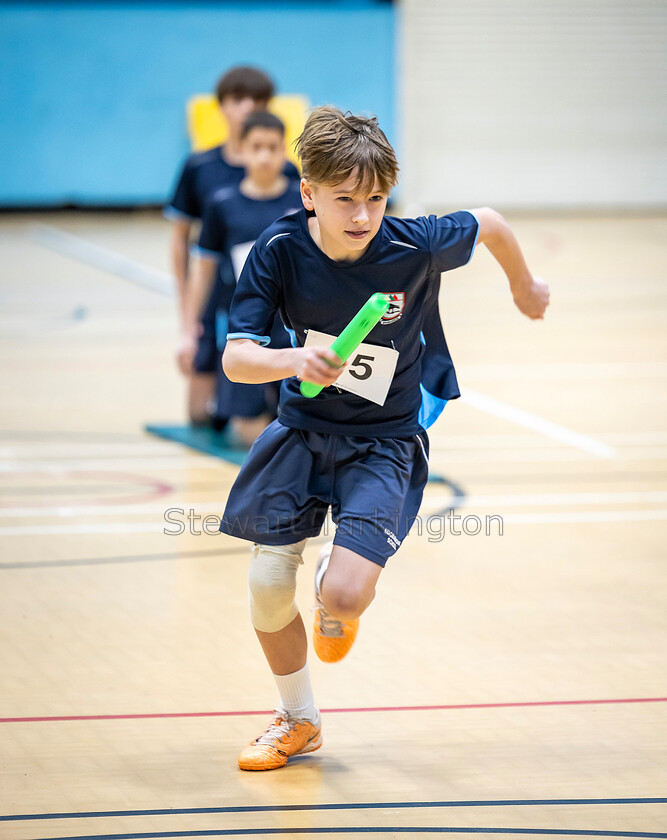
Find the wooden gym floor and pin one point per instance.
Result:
(505, 683)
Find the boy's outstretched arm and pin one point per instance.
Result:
(244, 360)
(531, 295)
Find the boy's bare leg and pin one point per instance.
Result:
(347, 590)
(348, 587)
(296, 727)
(344, 587)
(247, 429)
(201, 389)
(287, 649)
(349, 582)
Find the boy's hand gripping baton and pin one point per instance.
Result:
(353, 334)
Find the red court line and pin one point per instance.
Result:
(152, 488)
(244, 713)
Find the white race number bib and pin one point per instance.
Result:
(370, 369)
(239, 256)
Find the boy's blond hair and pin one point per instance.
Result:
(333, 145)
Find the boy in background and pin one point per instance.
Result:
(232, 220)
(240, 91)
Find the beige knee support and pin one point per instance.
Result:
(272, 585)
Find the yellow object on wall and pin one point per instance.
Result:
(207, 127)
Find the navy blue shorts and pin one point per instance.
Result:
(233, 399)
(207, 357)
(291, 477)
(238, 399)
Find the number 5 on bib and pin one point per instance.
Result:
(352, 336)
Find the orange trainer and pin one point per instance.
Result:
(332, 639)
(287, 736)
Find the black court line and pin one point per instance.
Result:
(238, 832)
(458, 497)
(136, 558)
(458, 493)
(336, 806)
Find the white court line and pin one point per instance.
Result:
(47, 447)
(198, 460)
(565, 370)
(514, 500)
(548, 499)
(102, 258)
(573, 517)
(69, 450)
(190, 460)
(567, 517)
(447, 458)
(444, 441)
(537, 424)
(63, 530)
(113, 510)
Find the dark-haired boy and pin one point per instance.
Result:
(240, 91)
(232, 221)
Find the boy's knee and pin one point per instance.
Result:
(345, 602)
(272, 585)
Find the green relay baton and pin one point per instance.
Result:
(353, 334)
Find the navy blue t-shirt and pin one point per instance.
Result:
(286, 272)
(203, 174)
(231, 223)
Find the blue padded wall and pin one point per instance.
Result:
(93, 104)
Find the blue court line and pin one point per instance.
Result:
(336, 806)
(237, 832)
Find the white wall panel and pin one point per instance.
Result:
(526, 103)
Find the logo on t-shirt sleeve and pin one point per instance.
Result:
(396, 304)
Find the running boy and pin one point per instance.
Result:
(232, 221)
(239, 91)
(364, 454)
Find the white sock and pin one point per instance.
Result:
(296, 694)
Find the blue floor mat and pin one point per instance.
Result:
(203, 440)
